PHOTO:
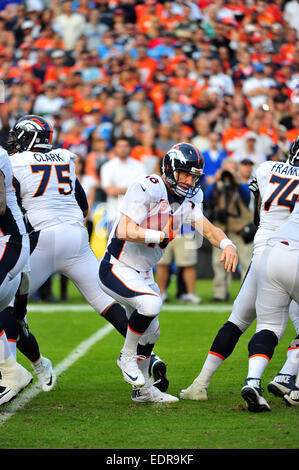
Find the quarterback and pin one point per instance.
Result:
(153, 210)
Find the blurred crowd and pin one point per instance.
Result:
(223, 75)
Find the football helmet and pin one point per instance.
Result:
(294, 152)
(183, 157)
(30, 133)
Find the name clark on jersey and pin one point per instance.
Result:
(284, 169)
(48, 157)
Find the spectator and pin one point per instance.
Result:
(163, 140)
(233, 133)
(248, 150)
(256, 88)
(50, 102)
(228, 200)
(116, 175)
(70, 25)
(146, 152)
(95, 159)
(174, 105)
(213, 157)
(94, 29)
(202, 133)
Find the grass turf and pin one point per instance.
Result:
(90, 408)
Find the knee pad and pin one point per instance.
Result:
(263, 343)
(149, 305)
(226, 339)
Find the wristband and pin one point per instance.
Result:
(225, 242)
(152, 236)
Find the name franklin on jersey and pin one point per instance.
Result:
(48, 157)
(285, 169)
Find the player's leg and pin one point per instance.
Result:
(84, 274)
(14, 377)
(284, 381)
(149, 392)
(42, 250)
(242, 316)
(276, 281)
(127, 286)
(28, 346)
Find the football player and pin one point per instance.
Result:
(55, 205)
(152, 213)
(277, 285)
(276, 187)
(14, 255)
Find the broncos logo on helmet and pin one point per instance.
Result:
(183, 157)
(294, 152)
(30, 133)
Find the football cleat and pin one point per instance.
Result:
(149, 393)
(127, 362)
(252, 394)
(281, 384)
(157, 373)
(13, 383)
(196, 391)
(45, 374)
(292, 397)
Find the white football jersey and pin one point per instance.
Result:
(11, 222)
(147, 199)
(47, 187)
(289, 231)
(279, 189)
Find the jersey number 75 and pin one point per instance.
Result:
(62, 174)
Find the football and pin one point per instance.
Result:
(162, 221)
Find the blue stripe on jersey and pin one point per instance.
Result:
(8, 225)
(10, 256)
(115, 246)
(33, 239)
(112, 282)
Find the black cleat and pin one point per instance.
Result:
(157, 372)
(252, 394)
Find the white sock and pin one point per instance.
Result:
(5, 350)
(212, 362)
(291, 365)
(131, 341)
(256, 366)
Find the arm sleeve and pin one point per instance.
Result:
(80, 196)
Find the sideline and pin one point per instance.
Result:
(21, 400)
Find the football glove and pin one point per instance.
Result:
(253, 185)
(170, 231)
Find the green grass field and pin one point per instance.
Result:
(91, 408)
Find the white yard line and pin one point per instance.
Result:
(20, 401)
(50, 308)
